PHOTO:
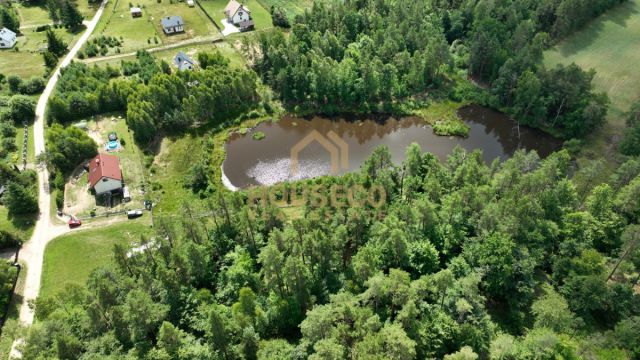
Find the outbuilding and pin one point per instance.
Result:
(183, 62)
(105, 175)
(136, 12)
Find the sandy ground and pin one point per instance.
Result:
(32, 253)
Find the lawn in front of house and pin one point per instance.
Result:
(260, 15)
(27, 61)
(71, 258)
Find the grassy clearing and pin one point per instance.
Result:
(72, 257)
(443, 117)
(146, 31)
(608, 45)
(12, 329)
(78, 201)
(27, 61)
(260, 15)
(291, 7)
(33, 15)
(21, 225)
(235, 58)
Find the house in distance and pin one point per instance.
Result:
(239, 15)
(172, 24)
(105, 175)
(184, 62)
(136, 12)
(7, 38)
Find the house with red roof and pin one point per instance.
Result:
(105, 174)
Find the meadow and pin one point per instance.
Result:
(609, 46)
(146, 31)
(291, 7)
(71, 257)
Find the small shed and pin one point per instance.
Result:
(136, 12)
(172, 24)
(184, 62)
(191, 3)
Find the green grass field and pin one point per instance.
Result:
(21, 225)
(72, 257)
(28, 61)
(32, 15)
(140, 33)
(292, 7)
(609, 45)
(260, 15)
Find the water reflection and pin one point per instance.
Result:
(264, 162)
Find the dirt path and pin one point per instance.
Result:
(194, 41)
(32, 253)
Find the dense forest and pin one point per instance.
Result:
(507, 261)
(371, 55)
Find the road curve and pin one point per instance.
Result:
(32, 253)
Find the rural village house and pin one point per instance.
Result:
(7, 38)
(172, 24)
(184, 62)
(239, 15)
(105, 175)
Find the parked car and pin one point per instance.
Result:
(74, 223)
(132, 214)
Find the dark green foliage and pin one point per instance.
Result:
(8, 240)
(21, 108)
(215, 58)
(463, 261)
(55, 45)
(279, 17)
(9, 18)
(8, 274)
(68, 147)
(20, 199)
(70, 15)
(630, 144)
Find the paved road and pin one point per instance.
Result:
(32, 252)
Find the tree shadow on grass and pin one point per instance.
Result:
(588, 34)
(23, 222)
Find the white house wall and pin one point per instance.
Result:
(239, 16)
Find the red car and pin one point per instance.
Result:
(74, 223)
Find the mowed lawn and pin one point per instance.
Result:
(261, 16)
(291, 7)
(609, 45)
(20, 225)
(32, 15)
(71, 258)
(140, 33)
(28, 61)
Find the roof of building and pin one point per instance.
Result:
(104, 165)
(181, 58)
(171, 21)
(135, 10)
(4, 32)
(246, 24)
(233, 6)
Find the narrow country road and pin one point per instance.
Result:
(32, 253)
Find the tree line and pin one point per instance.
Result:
(464, 260)
(155, 99)
(369, 55)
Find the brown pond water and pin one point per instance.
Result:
(267, 161)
